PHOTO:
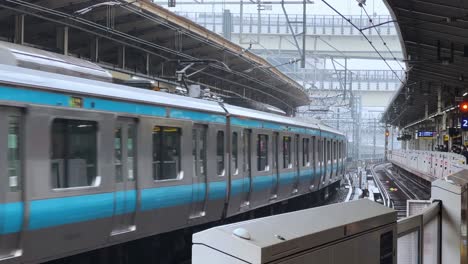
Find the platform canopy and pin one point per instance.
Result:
(434, 36)
(140, 38)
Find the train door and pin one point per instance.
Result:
(199, 186)
(315, 173)
(11, 196)
(333, 159)
(328, 158)
(325, 161)
(276, 175)
(125, 177)
(297, 163)
(247, 168)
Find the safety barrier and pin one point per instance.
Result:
(429, 165)
(419, 237)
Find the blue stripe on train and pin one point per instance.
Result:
(57, 99)
(69, 210)
(11, 217)
(199, 116)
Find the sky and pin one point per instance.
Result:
(347, 7)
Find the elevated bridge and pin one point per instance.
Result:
(327, 35)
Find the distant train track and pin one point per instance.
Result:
(400, 188)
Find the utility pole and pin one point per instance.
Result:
(374, 139)
(304, 34)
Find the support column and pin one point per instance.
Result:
(94, 49)
(62, 39)
(439, 99)
(19, 29)
(148, 61)
(122, 57)
(426, 110)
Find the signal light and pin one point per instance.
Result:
(387, 133)
(463, 107)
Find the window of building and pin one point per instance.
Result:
(166, 153)
(220, 153)
(287, 152)
(262, 152)
(74, 153)
(14, 153)
(235, 153)
(305, 152)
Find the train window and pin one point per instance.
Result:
(199, 151)
(220, 153)
(313, 150)
(235, 153)
(287, 152)
(320, 150)
(262, 153)
(118, 154)
(328, 150)
(74, 153)
(14, 153)
(166, 153)
(339, 150)
(275, 150)
(305, 152)
(131, 164)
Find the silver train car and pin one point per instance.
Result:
(89, 164)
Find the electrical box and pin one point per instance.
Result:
(452, 191)
(358, 232)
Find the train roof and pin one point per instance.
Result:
(70, 84)
(245, 112)
(32, 58)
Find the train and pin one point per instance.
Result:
(90, 164)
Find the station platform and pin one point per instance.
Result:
(431, 229)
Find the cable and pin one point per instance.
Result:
(381, 38)
(366, 37)
(138, 40)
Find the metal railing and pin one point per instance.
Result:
(251, 23)
(419, 237)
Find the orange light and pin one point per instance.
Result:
(464, 107)
(387, 133)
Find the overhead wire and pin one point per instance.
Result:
(124, 35)
(368, 40)
(380, 36)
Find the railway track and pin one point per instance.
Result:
(400, 188)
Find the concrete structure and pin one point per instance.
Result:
(326, 35)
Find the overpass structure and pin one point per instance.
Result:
(326, 35)
(329, 38)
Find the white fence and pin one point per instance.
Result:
(430, 165)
